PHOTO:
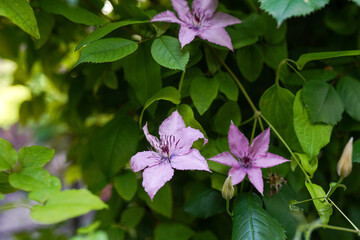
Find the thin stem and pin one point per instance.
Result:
(253, 130)
(288, 148)
(308, 200)
(252, 5)
(339, 228)
(242, 89)
(242, 186)
(332, 190)
(181, 80)
(228, 208)
(354, 226)
(261, 124)
(247, 121)
(287, 62)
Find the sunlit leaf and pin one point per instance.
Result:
(8, 155)
(175, 230)
(35, 156)
(323, 208)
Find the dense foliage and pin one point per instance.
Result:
(97, 71)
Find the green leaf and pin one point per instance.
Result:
(8, 155)
(104, 30)
(110, 80)
(5, 186)
(307, 57)
(356, 152)
(251, 221)
(170, 94)
(274, 54)
(203, 91)
(250, 62)
(276, 104)
(187, 114)
(205, 235)
(322, 102)
(283, 9)
(349, 92)
(115, 143)
(162, 202)
(31, 179)
(205, 204)
(126, 184)
(46, 24)
(106, 50)
(310, 165)
(312, 137)
(65, 205)
(310, 75)
(35, 156)
(167, 52)
(73, 13)
(173, 231)
(227, 86)
(145, 80)
(21, 14)
(357, 2)
(43, 194)
(323, 208)
(132, 216)
(217, 181)
(228, 112)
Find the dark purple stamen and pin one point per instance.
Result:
(246, 162)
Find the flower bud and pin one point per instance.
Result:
(344, 165)
(227, 189)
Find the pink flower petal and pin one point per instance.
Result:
(144, 159)
(191, 161)
(187, 136)
(166, 16)
(225, 158)
(182, 9)
(154, 141)
(268, 160)
(238, 143)
(255, 177)
(218, 36)
(186, 35)
(206, 6)
(221, 20)
(237, 175)
(260, 144)
(156, 176)
(171, 125)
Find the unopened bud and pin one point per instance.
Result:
(344, 165)
(227, 189)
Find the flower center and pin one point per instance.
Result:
(246, 162)
(198, 18)
(167, 146)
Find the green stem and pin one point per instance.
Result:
(247, 121)
(181, 80)
(287, 62)
(253, 130)
(332, 190)
(308, 200)
(287, 147)
(228, 208)
(261, 124)
(252, 5)
(352, 224)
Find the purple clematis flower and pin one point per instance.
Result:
(201, 21)
(173, 151)
(247, 159)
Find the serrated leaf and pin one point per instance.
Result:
(323, 208)
(356, 151)
(125, 184)
(307, 57)
(115, 143)
(322, 102)
(228, 86)
(65, 205)
(252, 222)
(312, 137)
(250, 62)
(276, 104)
(162, 202)
(21, 14)
(35, 156)
(167, 52)
(283, 9)
(8, 155)
(73, 13)
(203, 91)
(349, 92)
(106, 29)
(31, 179)
(173, 230)
(106, 50)
(145, 80)
(228, 112)
(170, 94)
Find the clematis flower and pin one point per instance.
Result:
(201, 21)
(248, 160)
(172, 151)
